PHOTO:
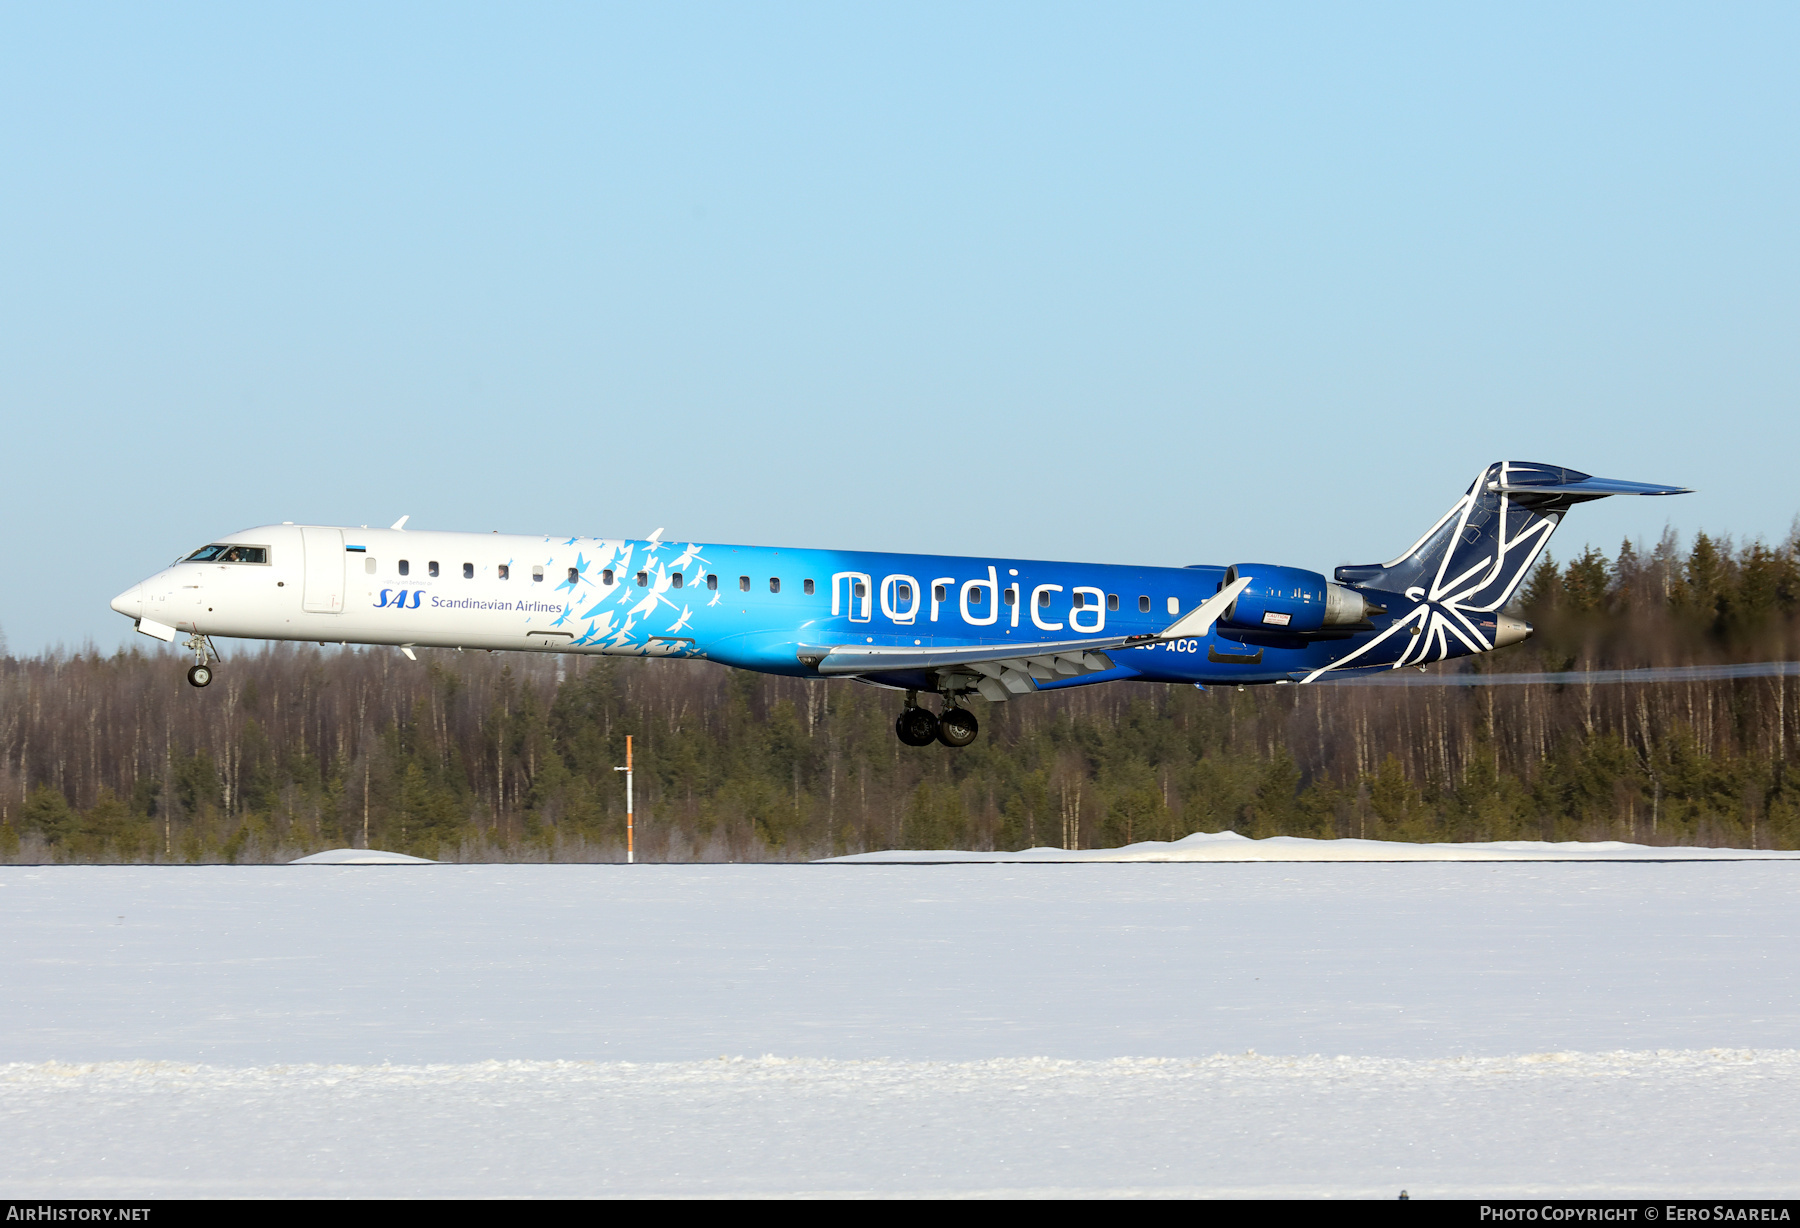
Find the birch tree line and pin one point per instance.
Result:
(476, 756)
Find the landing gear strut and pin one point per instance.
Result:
(200, 673)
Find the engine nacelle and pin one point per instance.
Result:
(1292, 601)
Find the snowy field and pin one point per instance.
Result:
(1229, 846)
(1305, 1028)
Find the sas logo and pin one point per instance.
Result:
(396, 599)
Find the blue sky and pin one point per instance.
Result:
(1158, 284)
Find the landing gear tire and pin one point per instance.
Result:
(957, 727)
(200, 673)
(916, 727)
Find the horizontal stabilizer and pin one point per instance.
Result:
(1541, 480)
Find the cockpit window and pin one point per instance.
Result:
(230, 554)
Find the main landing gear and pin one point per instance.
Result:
(201, 673)
(918, 726)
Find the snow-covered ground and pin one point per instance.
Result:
(360, 857)
(418, 1029)
(1229, 846)
(1583, 1125)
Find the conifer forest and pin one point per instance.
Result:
(511, 757)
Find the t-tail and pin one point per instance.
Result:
(1476, 556)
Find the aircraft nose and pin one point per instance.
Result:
(130, 603)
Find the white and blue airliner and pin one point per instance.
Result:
(949, 626)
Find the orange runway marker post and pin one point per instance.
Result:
(630, 852)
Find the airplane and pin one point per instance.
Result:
(954, 627)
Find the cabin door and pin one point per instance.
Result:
(324, 590)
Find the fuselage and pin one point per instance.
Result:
(752, 607)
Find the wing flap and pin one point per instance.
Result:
(1077, 656)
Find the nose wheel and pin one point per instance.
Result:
(200, 673)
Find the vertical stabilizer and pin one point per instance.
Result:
(1478, 553)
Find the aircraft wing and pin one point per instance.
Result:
(1014, 668)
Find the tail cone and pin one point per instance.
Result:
(1508, 630)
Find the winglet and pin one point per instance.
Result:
(400, 523)
(1199, 620)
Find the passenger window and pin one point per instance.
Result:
(643, 579)
(938, 594)
(432, 567)
(861, 590)
(505, 571)
(677, 580)
(774, 584)
(1112, 601)
(807, 588)
(1043, 598)
(574, 575)
(905, 591)
(1077, 599)
(405, 567)
(1174, 606)
(975, 598)
(743, 584)
(537, 575)
(712, 582)
(1143, 605)
(1010, 596)
(368, 565)
(468, 571)
(606, 577)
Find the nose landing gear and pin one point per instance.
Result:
(200, 673)
(918, 726)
